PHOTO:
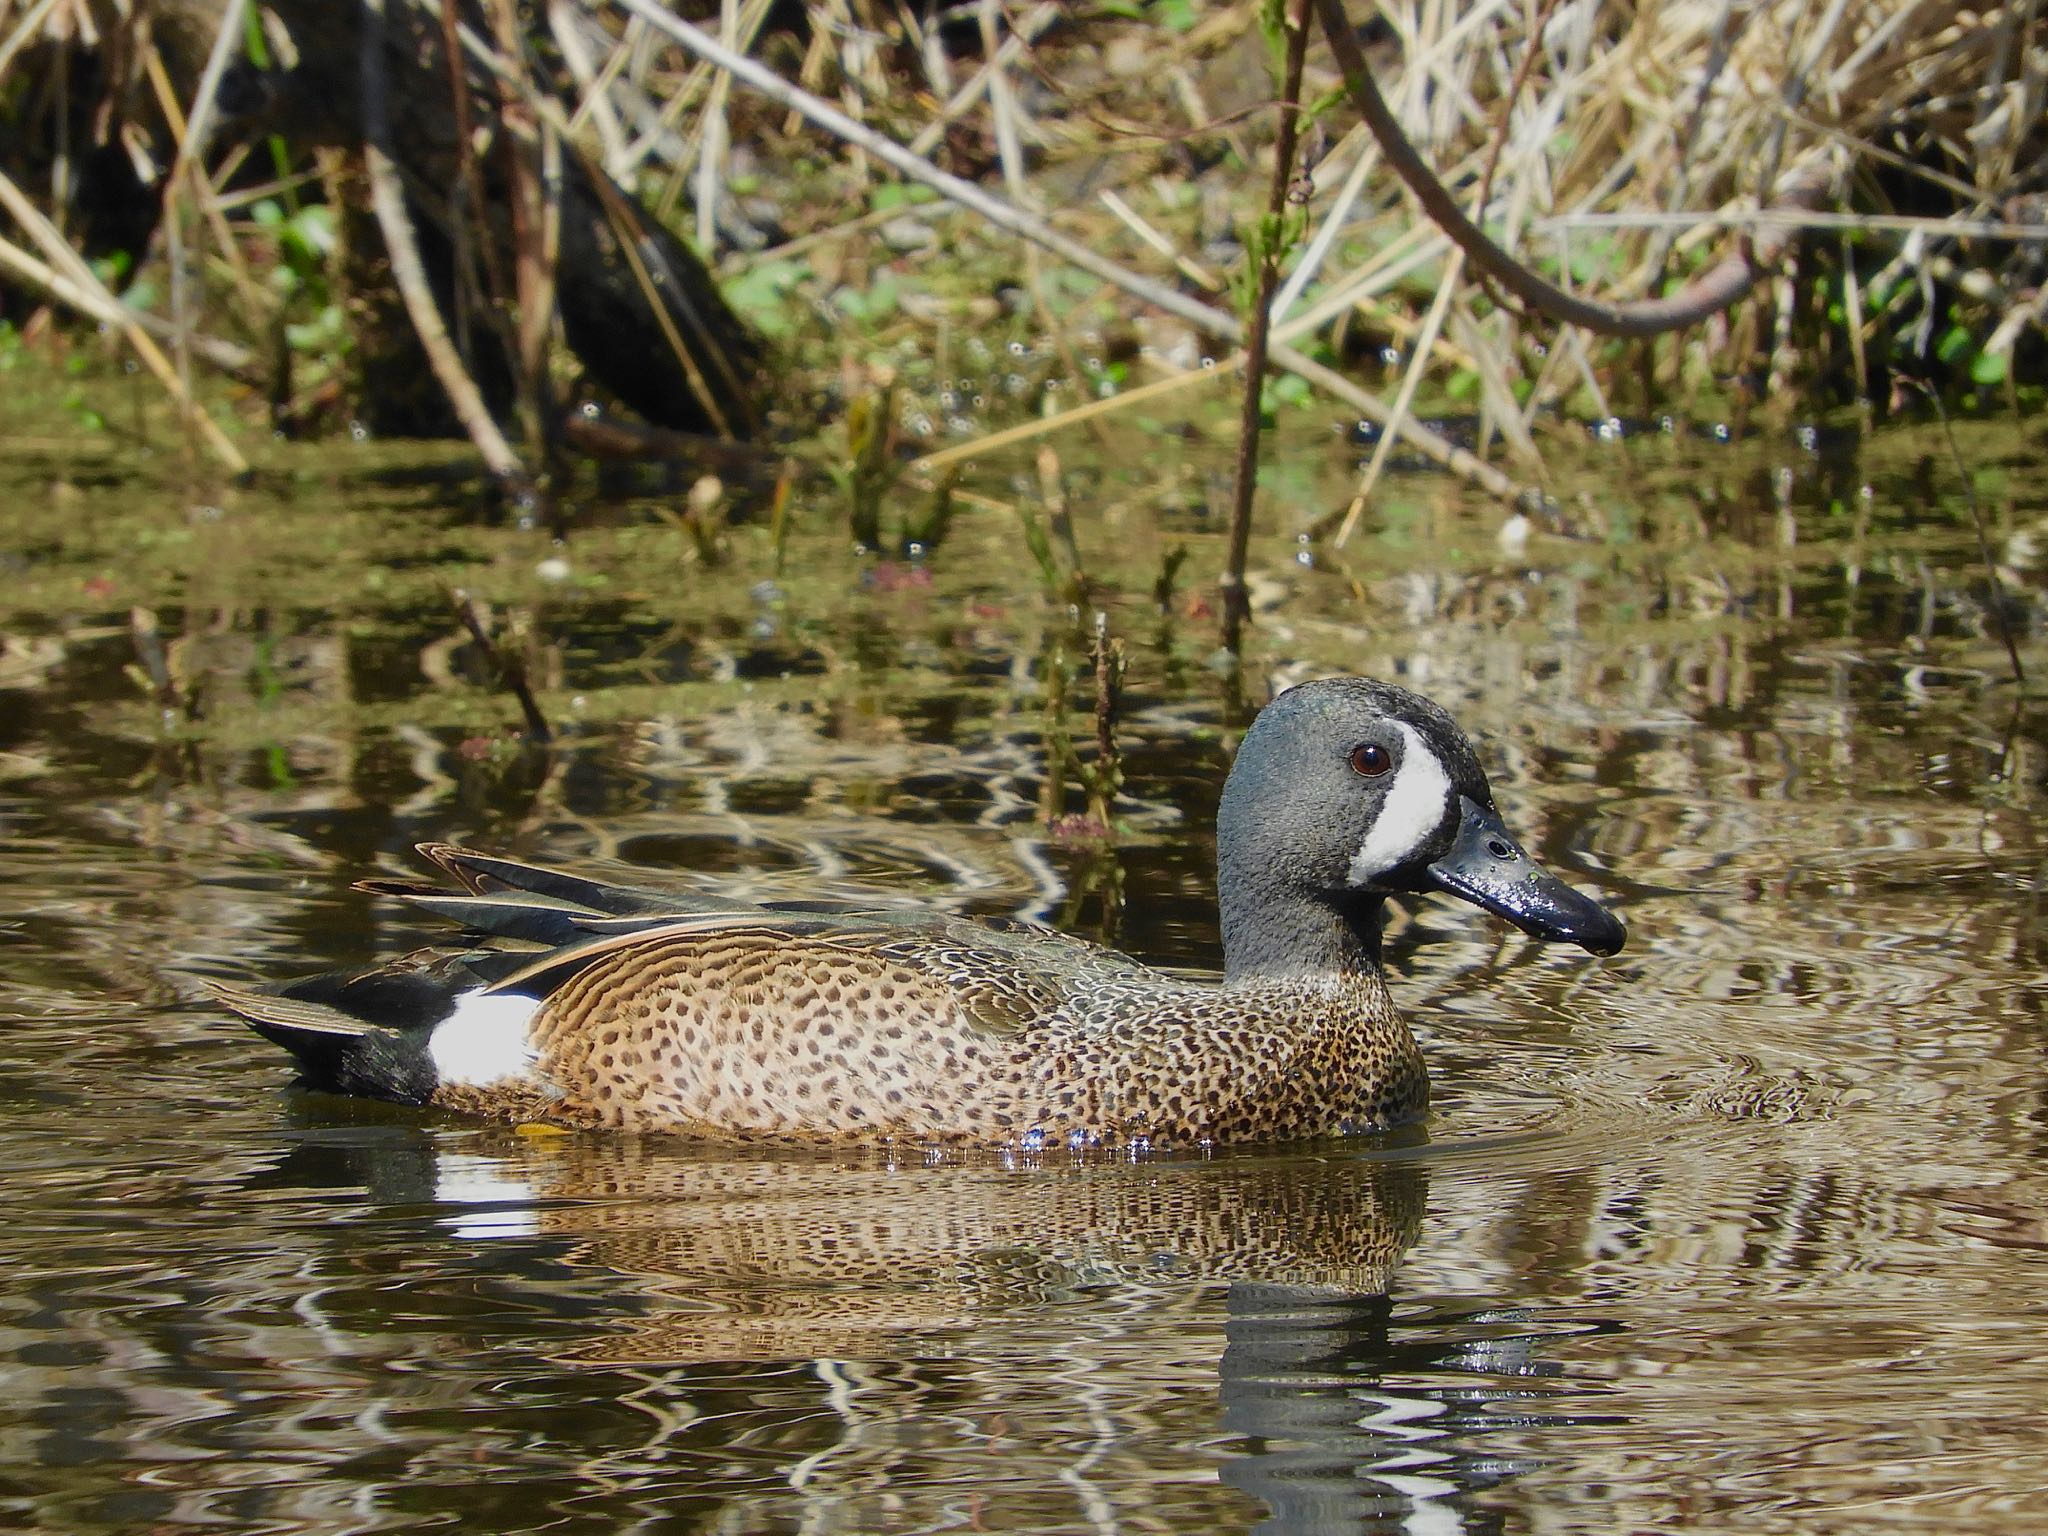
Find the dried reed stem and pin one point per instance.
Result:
(73, 267)
(387, 198)
(1267, 251)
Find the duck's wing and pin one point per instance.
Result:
(536, 907)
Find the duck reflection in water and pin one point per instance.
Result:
(1077, 1340)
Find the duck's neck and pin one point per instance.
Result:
(1273, 936)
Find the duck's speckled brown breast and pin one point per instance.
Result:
(769, 1034)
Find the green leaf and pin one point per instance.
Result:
(761, 294)
(1988, 368)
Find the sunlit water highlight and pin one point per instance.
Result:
(1746, 1227)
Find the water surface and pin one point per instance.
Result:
(1744, 1226)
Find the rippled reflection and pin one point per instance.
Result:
(1743, 1228)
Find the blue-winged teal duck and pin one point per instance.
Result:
(604, 1005)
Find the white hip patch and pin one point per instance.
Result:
(484, 1042)
(1410, 814)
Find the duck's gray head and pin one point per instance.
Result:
(1348, 790)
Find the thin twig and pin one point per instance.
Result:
(1404, 398)
(73, 267)
(511, 669)
(225, 355)
(387, 198)
(1267, 251)
(1998, 600)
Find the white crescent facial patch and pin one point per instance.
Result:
(1413, 809)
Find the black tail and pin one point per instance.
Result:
(366, 1033)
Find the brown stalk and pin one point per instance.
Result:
(2000, 607)
(536, 224)
(1236, 602)
(227, 356)
(387, 198)
(1004, 112)
(627, 233)
(510, 667)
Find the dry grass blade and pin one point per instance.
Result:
(108, 310)
(81, 276)
(1020, 222)
(409, 272)
(1404, 398)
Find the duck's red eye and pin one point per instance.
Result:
(1371, 760)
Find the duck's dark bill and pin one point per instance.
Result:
(1488, 868)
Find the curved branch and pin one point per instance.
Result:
(1706, 295)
